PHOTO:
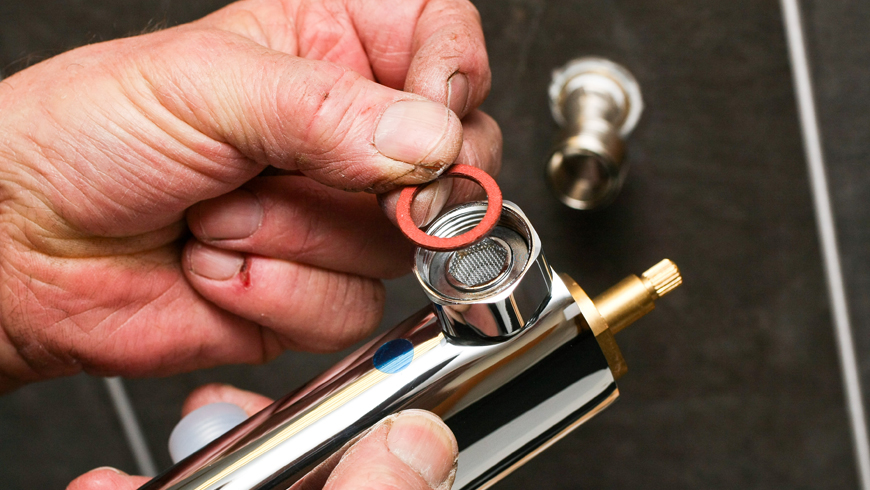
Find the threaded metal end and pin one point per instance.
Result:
(664, 277)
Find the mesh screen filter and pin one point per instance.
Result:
(479, 263)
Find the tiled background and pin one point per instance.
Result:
(734, 380)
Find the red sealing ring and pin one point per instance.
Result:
(490, 219)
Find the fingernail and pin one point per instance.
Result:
(424, 443)
(409, 130)
(214, 263)
(109, 468)
(430, 201)
(233, 216)
(457, 93)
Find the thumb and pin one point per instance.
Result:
(413, 450)
(316, 117)
(106, 478)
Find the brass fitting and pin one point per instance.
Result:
(622, 305)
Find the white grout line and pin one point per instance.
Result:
(130, 424)
(828, 237)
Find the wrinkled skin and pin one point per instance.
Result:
(110, 153)
(222, 191)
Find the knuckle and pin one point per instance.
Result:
(306, 237)
(246, 23)
(336, 114)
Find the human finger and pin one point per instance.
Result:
(321, 30)
(107, 478)
(413, 450)
(434, 48)
(166, 120)
(449, 46)
(301, 306)
(322, 119)
(297, 219)
(249, 401)
(482, 149)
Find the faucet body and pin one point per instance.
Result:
(512, 359)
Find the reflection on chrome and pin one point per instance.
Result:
(510, 367)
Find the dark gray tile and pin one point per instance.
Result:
(35, 30)
(53, 431)
(733, 380)
(840, 60)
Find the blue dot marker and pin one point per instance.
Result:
(394, 356)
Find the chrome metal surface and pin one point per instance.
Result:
(503, 401)
(598, 104)
(497, 308)
(505, 397)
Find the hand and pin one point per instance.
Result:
(414, 451)
(109, 153)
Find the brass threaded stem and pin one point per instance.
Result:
(664, 277)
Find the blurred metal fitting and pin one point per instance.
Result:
(598, 103)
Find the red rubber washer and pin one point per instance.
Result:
(490, 219)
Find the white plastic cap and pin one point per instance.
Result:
(202, 426)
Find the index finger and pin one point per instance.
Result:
(433, 48)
